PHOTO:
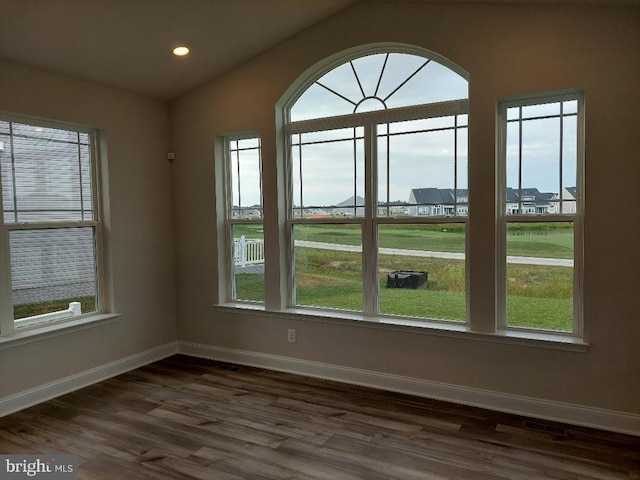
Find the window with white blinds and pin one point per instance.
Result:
(50, 222)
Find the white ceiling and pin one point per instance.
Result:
(127, 43)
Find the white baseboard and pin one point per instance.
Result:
(520, 405)
(531, 407)
(28, 398)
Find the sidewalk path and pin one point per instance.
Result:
(556, 262)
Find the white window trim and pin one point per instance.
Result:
(54, 329)
(457, 330)
(576, 217)
(29, 329)
(226, 282)
(277, 294)
(369, 121)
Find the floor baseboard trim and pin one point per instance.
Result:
(526, 406)
(28, 398)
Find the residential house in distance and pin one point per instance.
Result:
(530, 201)
(52, 264)
(438, 201)
(442, 201)
(568, 197)
(352, 206)
(46, 264)
(394, 208)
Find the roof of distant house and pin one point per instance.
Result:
(432, 195)
(437, 195)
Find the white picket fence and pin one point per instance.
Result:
(248, 252)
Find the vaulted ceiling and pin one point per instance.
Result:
(127, 43)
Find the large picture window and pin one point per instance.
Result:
(51, 223)
(541, 221)
(370, 204)
(378, 195)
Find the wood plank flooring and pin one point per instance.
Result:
(189, 418)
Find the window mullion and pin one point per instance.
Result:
(519, 160)
(387, 165)
(560, 153)
(103, 288)
(300, 172)
(455, 165)
(6, 312)
(51, 225)
(369, 234)
(228, 288)
(261, 169)
(578, 228)
(80, 176)
(236, 160)
(501, 215)
(6, 303)
(14, 193)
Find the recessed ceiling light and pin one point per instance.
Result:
(181, 51)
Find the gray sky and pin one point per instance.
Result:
(417, 159)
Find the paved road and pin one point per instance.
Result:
(558, 262)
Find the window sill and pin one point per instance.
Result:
(23, 336)
(546, 340)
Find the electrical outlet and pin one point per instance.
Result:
(291, 335)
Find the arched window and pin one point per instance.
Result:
(379, 81)
(377, 185)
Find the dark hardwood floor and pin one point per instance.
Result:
(184, 418)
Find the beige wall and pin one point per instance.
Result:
(508, 50)
(139, 230)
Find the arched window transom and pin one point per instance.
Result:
(379, 81)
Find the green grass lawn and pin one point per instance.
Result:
(541, 313)
(545, 240)
(537, 296)
(441, 238)
(423, 302)
(327, 288)
(553, 240)
(250, 287)
(436, 238)
(253, 230)
(31, 310)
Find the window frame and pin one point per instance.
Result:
(370, 221)
(10, 327)
(576, 217)
(279, 280)
(227, 290)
